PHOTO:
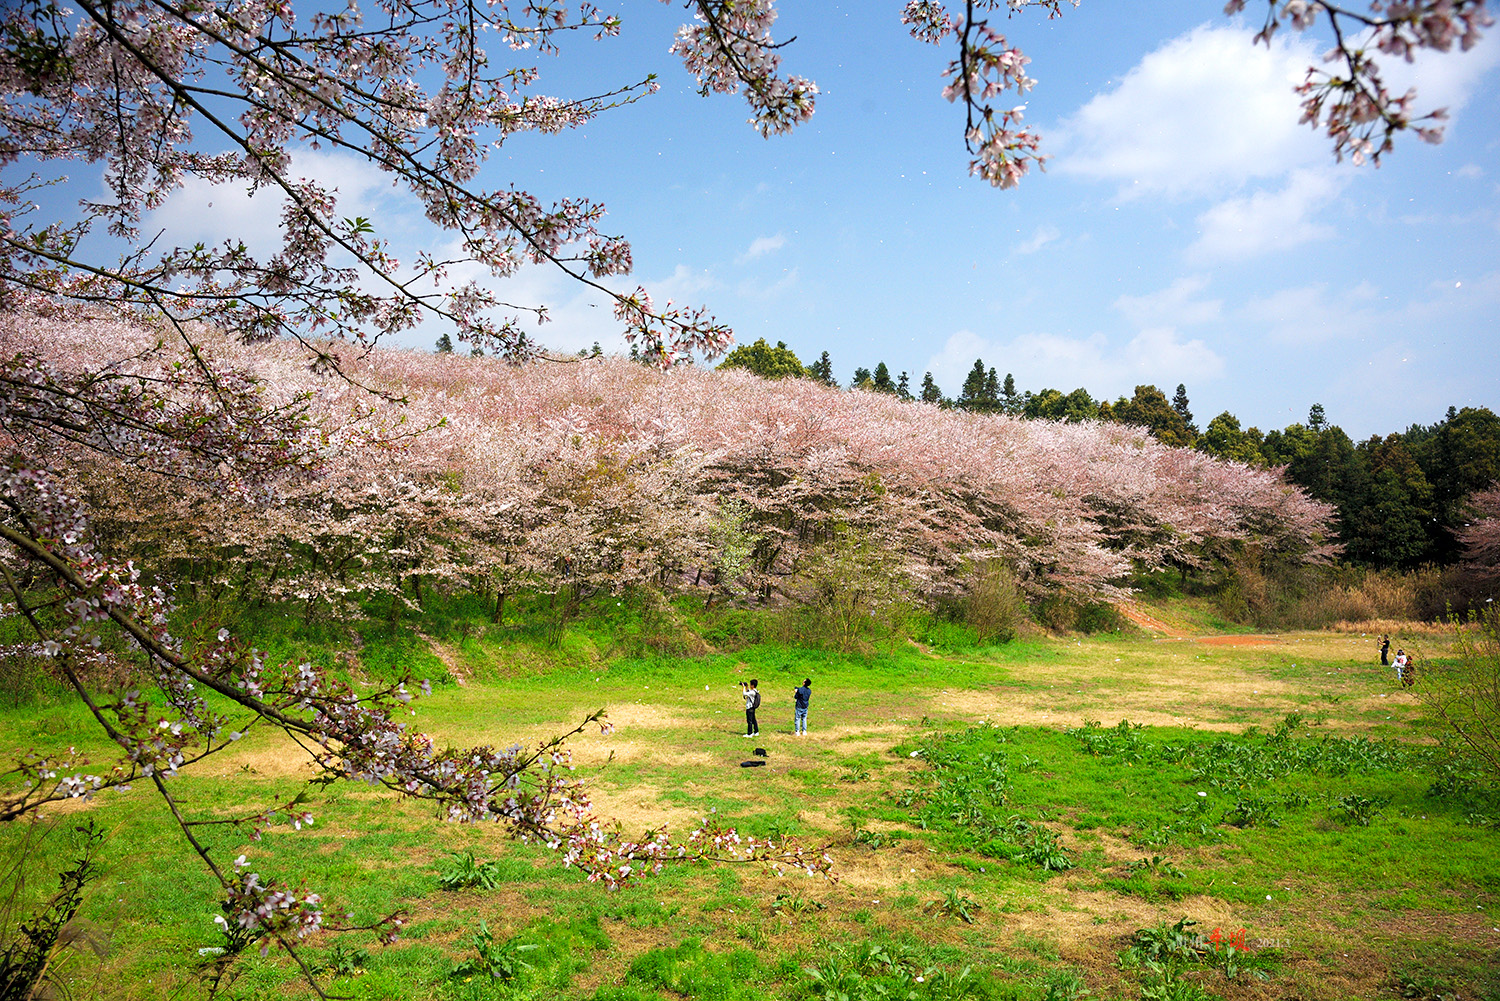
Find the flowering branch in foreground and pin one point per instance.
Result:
(101, 621)
(1351, 103)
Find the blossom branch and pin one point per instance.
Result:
(1352, 105)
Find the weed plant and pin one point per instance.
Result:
(462, 871)
(497, 960)
(33, 946)
(969, 801)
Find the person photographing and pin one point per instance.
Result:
(800, 699)
(752, 703)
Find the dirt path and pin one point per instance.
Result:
(1149, 623)
(1152, 624)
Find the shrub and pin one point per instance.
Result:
(855, 586)
(993, 607)
(29, 957)
(1099, 617)
(1465, 695)
(1055, 613)
(22, 678)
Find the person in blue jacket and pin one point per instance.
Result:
(802, 696)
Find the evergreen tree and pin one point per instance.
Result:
(1224, 439)
(991, 390)
(1326, 465)
(930, 391)
(1150, 409)
(1316, 420)
(444, 345)
(1461, 456)
(476, 352)
(822, 370)
(1079, 406)
(1044, 405)
(1053, 405)
(972, 396)
(1008, 397)
(1388, 529)
(903, 386)
(882, 379)
(1388, 524)
(1180, 404)
(862, 379)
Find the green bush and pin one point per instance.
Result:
(1099, 617)
(1464, 695)
(993, 607)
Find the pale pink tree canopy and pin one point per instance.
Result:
(1480, 538)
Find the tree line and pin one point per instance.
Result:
(1404, 500)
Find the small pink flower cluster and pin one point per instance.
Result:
(986, 67)
(263, 912)
(730, 47)
(1351, 104)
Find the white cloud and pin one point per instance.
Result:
(579, 316)
(1176, 305)
(1045, 234)
(211, 213)
(1040, 360)
(753, 289)
(1201, 115)
(1442, 79)
(952, 363)
(1314, 314)
(1157, 352)
(1310, 314)
(1268, 221)
(761, 246)
(1469, 171)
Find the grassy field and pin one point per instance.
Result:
(1109, 816)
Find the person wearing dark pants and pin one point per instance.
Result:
(752, 703)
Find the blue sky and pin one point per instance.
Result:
(1187, 229)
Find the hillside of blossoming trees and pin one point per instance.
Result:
(1403, 501)
(590, 476)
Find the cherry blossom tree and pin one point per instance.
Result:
(1480, 538)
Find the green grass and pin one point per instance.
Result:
(1343, 818)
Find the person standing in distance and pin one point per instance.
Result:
(801, 697)
(752, 703)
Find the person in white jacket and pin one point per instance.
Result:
(752, 703)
